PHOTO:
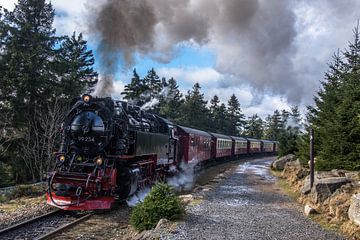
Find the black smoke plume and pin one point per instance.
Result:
(252, 39)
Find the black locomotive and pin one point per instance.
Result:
(109, 149)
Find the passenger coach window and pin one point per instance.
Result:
(192, 141)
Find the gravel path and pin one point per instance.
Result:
(248, 205)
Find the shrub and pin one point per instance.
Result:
(160, 203)
(26, 191)
(3, 199)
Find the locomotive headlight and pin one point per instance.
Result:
(62, 158)
(86, 98)
(99, 161)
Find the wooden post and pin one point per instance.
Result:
(311, 157)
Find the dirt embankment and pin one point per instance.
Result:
(326, 202)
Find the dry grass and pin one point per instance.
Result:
(22, 202)
(332, 212)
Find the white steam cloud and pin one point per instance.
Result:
(138, 197)
(185, 178)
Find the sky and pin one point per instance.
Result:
(270, 53)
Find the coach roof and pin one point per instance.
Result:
(220, 136)
(194, 131)
(238, 138)
(253, 140)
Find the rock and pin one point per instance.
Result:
(306, 188)
(140, 235)
(162, 224)
(301, 173)
(295, 163)
(187, 198)
(338, 173)
(279, 164)
(352, 175)
(309, 210)
(354, 209)
(323, 188)
(221, 176)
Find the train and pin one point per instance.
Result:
(110, 149)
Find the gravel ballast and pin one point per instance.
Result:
(248, 205)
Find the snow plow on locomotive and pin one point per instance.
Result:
(110, 149)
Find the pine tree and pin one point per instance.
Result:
(335, 116)
(347, 122)
(32, 81)
(236, 118)
(274, 126)
(214, 114)
(170, 107)
(224, 123)
(153, 83)
(194, 111)
(132, 91)
(27, 77)
(254, 127)
(75, 67)
(290, 133)
(28, 44)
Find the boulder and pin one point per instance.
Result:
(338, 173)
(187, 198)
(279, 164)
(163, 223)
(308, 210)
(306, 188)
(323, 188)
(293, 163)
(301, 173)
(354, 209)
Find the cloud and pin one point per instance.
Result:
(267, 106)
(69, 16)
(8, 4)
(118, 87)
(205, 76)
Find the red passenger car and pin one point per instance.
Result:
(221, 146)
(239, 145)
(267, 146)
(276, 146)
(193, 145)
(254, 145)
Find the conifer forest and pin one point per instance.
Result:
(41, 72)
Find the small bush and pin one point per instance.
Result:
(160, 203)
(3, 199)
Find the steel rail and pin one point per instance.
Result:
(48, 235)
(18, 225)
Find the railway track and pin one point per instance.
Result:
(44, 226)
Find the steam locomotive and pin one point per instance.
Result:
(110, 149)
